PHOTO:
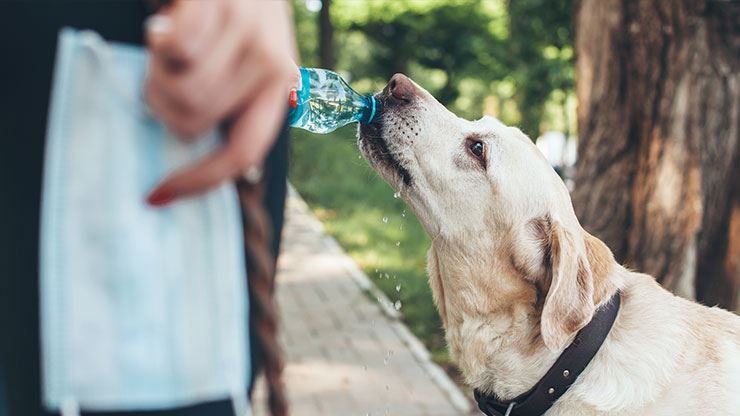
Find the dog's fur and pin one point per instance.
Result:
(514, 276)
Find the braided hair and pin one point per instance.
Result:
(261, 277)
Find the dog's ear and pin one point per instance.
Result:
(569, 303)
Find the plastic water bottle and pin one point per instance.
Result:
(323, 102)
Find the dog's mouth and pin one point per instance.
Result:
(375, 148)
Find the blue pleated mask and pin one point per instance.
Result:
(141, 308)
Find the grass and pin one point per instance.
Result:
(380, 233)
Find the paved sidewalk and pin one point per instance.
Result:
(348, 354)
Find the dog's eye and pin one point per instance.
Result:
(477, 148)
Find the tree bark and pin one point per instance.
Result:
(326, 36)
(658, 84)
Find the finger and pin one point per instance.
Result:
(255, 131)
(249, 139)
(184, 31)
(237, 87)
(193, 92)
(179, 122)
(170, 107)
(241, 77)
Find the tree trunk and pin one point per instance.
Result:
(658, 85)
(326, 36)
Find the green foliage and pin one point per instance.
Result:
(414, 36)
(306, 33)
(509, 58)
(541, 42)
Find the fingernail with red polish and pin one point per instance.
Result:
(160, 197)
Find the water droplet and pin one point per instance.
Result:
(398, 243)
(403, 213)
(387, 357)
(397, 305)
(385, 220)
(401, 227)
(386, 276)
(359, 156)
(398, 288)
(396, 195)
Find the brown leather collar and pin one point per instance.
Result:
(562, 374)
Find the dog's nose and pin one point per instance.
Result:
(401, 88)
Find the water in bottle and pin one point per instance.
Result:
(323, 102)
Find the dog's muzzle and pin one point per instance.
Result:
(400, 92)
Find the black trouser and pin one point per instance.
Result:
(28, 34)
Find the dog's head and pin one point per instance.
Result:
(485, 186)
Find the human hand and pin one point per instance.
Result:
(220, 61)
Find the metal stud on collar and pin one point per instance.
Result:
(551, 390)
(566, 373)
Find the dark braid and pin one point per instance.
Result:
(261, 277)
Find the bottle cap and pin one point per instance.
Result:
(293, 98)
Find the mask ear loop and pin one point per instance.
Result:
(100, 49)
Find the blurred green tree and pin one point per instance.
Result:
(524, 42)
(540, 44)
(306, 33)
(518, 51)
(326, 36)
(452, 38)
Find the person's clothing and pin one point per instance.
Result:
(28, 34)
(219, 408)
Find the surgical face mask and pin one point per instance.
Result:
(141, 308)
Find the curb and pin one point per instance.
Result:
(417, 348)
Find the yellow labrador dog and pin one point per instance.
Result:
(515, 277)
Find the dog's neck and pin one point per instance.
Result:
(491, 315)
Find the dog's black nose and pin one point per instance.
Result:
(401, 88)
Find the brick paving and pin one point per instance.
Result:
(346, 353)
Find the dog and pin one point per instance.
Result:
(514, 276)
